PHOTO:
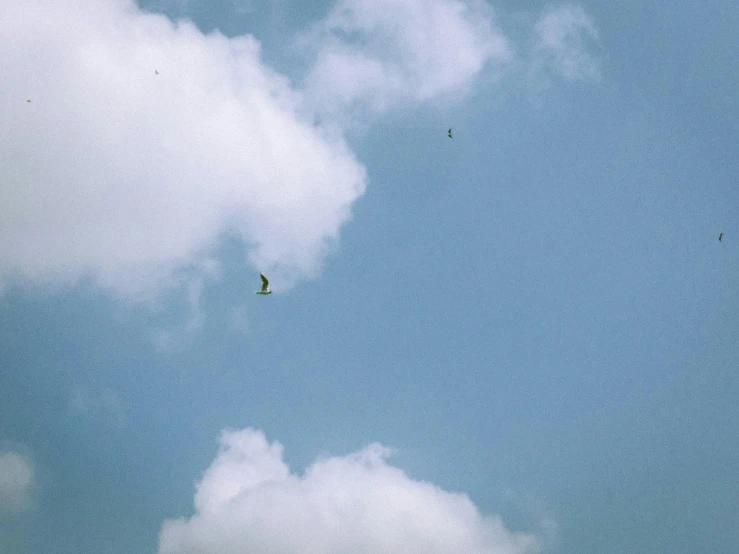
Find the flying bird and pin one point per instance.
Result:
(265, 285)
(27, 100)
(156, 72)
(720, 236)
(449, 133)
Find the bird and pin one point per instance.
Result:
(449, 133)
(27, 100)
(265, 285)
(156, 72)
(720, 236)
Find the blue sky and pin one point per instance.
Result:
(535, 317)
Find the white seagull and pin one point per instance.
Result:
(265, 285)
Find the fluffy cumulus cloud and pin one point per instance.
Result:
(378, 53)
(131, 143)
(117, 174)
(249, 501)
(16, 481)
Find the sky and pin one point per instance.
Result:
(523, 339)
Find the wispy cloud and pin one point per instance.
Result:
(16, 482)
(239, 321)
(191, 283)
(380, 54)
(537, 511)
(101, 404)
(249, 501)
(565, 40)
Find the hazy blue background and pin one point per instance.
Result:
(537, 313)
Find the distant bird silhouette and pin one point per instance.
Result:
(449, 133)
(27, 100)
(156, 72)
(265, 285)
(720, 236)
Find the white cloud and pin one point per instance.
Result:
(380, 53)
(104, 403)
(119, 175)
(564, 40)
(249, 501)
(16, 481)
(122, 177)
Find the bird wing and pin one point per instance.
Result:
(265, 282)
